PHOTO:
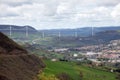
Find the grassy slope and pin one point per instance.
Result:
(94, 74)
(74, 70)
(47, 54)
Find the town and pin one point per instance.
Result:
(97, 54)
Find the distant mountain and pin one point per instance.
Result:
(86, 31)
(103, 37)
(14, 28)
(108, 35)
(16, 63)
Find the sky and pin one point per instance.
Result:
(55, 14)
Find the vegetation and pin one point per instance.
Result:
(38, 51)
(16, 63)
(76, 72)
(49, 77)
(118, 77)
(63, 76)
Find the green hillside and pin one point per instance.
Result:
(75, 71)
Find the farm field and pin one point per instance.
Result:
(76, 72)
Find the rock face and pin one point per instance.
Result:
(16, 63)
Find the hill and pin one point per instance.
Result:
(103, 37)
(76, 72)
(8, 46)
(81, 32)
(16, 63)
(20, 33)
(15, 28)
(107, 36)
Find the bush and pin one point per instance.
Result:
(46, 77)
(118, 77)
(81, 75)
(63, 76)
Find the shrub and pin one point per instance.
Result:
(46, 77)
(81, 75)
(118, 77)
(63, 76)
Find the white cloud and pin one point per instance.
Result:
(59, 12)
(6, 11)
(116, 12)
(108, 2)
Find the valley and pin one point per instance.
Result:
(65, 57)
(59, 39)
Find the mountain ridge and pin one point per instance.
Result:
(16, 28)
(83, 32)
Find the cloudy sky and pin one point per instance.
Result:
(47, 14)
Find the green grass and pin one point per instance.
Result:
(59, 67)
(95, 74)
(53, 68)
(47, 54)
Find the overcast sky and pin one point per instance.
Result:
(47, 14)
